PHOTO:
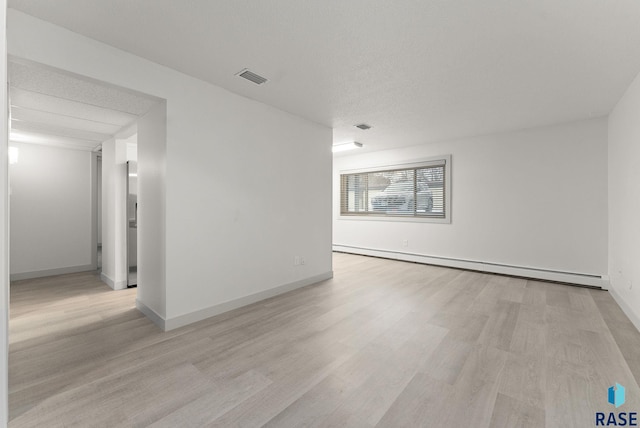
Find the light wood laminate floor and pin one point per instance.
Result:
(384, 343)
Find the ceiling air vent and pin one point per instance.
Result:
(363, 126)
(253, 77)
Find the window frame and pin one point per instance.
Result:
(377, 216)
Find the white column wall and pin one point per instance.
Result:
(624, 202)
(114, 228)
(152, 267)
(4, 226)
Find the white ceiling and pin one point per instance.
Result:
(51, 107)
(418, 71)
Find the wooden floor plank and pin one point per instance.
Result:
(419, 405)
(511, 413)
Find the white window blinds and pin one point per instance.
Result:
(416, 191)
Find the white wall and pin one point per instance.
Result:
(132, 199)
(4, 228)
(533, 199)
(51, 211)
(247, 186)
(243, 199)
(624, 202)
(99, 197)
(114, 228)
(152, 165)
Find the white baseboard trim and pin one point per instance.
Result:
(119, 285)
(186, 319)
(51, 272)
(151, 314)
(526, 272)
(628, 311)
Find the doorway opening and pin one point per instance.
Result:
(71, 186)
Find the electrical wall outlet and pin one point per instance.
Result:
(296, 261)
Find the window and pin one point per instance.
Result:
(419, 190)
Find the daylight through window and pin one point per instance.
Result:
(416, 191)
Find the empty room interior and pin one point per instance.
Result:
(339, 213)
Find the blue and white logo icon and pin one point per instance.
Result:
(616, 395)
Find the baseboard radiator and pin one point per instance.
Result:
(572, 278)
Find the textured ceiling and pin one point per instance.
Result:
(418, 71)
(54, 108)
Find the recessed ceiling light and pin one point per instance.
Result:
(346, 146)
(251, 76)
(363, 126)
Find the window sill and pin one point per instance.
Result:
(446, 220)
